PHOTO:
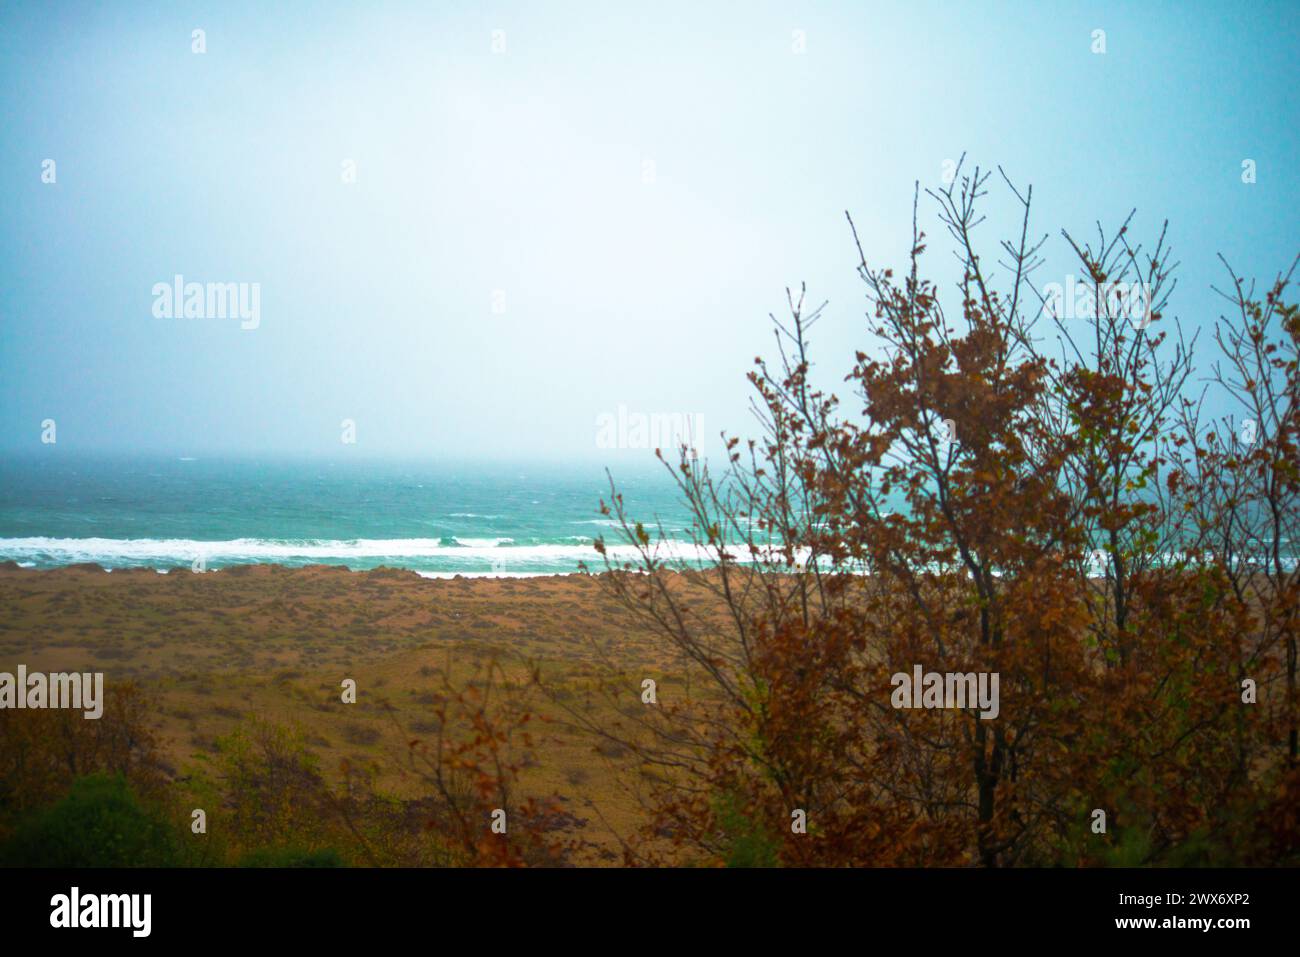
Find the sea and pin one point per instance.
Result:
(438, 519)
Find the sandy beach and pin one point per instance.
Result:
(219, 649)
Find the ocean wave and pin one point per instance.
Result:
(437, 554)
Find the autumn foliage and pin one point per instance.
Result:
(1072, 504)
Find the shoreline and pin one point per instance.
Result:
(127, 569)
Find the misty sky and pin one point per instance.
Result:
(600, 215)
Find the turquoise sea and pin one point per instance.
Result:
(434, 518)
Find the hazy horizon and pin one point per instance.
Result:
(522, 247)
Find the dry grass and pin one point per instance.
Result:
(262, 641)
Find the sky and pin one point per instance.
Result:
(481, 230)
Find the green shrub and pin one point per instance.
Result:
(747, 843)
(291, 857)
(101, 823)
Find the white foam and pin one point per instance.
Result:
(498, 552)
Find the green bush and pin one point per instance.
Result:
(291, 857)
(747, 843)
(101, 823)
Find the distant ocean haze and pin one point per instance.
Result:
(436, 519)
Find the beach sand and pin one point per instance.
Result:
(223, 647)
